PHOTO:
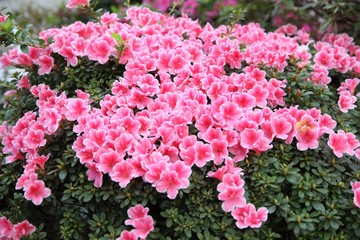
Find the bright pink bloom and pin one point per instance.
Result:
(244, 100)
(136, 212)
(99, 50)
(23, 82)
(250, 138)
(260, 94)
(6, 228)
(23, 229)
(126, 235)
(255, 218)
(232, 197)
(75, 108)
(3, 18)
(34, 139)
(36, 192)
(154, 173)
(204, 154)
(108, 160)
(307, 133)
(220, 150)
(143, 224)
(281, 127)
(171, 183)
(94, 173)
(247, 216)
(77, 3)
(346, 101)
(122, 173)
(307, 139)
(356, 189)
(338, 142)
(46, 63)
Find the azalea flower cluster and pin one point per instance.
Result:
(9, 231)
(177, 105)
(143, 223)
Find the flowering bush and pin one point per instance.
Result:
(154, 127)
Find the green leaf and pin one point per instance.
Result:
(88, 196)
(24, 48)
(62, 174)
(319, 206)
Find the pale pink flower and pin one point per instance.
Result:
(36, 192)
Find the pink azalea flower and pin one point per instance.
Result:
(99, 50)
(220, 150)
(6, 228)
(307, 139)
(171, 183)
(77, 3)
(136, 212)
(23, 229)
(247, 216)
(346, 101)
(23, 82)
(338, 142)
(232, 197)
(281, 127)
(356, 189)
(36, 192)
(204, 153)
(255, 218)
(128, 235)
(108, 160)
(122, 173)
(154, 172)
(143, 226)
(46, 63)
(244, 100)
(94, 173)
(34, 139)
(241, 213)
(250, 138)
(75, 108)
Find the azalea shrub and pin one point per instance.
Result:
(155, 127)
